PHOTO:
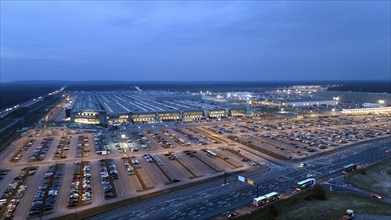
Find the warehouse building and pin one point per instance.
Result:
(367, 110)
(217, 113)
(143, 118)
(238, 112)
(169, 116)
(147, 107)
(193, 115)
(89, 117)
(312, 103)
(118, 119)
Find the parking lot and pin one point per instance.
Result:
(76, 170)
(60, 171)
(303, 138)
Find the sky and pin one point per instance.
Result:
(195, 40)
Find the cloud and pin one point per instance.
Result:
(195, 40)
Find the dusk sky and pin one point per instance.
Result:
(183, 41)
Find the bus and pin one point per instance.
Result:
(262, 200)
(210, 154)
(272, 196)
(349, 168)
(305, 184)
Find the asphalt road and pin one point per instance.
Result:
(210, 200)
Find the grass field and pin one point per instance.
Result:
(335, 205)
(377, 178)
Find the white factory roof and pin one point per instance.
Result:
(239, 95)
(116, 103)
(304, 103)
(371, 105)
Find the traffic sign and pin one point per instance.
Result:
(241, 179)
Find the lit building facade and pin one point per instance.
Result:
(169, 116)
(193, 115)
(217, 113)
(238, 112)
(89, 117)
(144, 118)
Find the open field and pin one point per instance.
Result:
(335, 205)
(377, 178)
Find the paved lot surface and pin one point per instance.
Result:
(208, 200)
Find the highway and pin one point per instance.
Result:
(4, 113)
(210, 200)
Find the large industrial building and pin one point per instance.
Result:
(147, 107)
(367, 110)
(312, 103)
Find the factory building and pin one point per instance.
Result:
(367, 110)
(143, 118)
(217, 113)
(159, 96)
(193, 115)
(118, 119)
(238, 112)
(169, 116)
(89, 117)
(312, 103)
(115, 108)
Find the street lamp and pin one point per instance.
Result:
(381, 102)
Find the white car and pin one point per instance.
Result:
(252, 163)
(302, 165)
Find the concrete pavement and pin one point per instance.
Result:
(211, 199)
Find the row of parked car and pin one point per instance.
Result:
(182, 142)
(153, 157)
(140, 139)
(129, 168)
(223, 129)
(172, 155)
(161, 140)
(11, 196)
(324, 122)
(322, 138)
(191, 137)
(108, 173)
(82, 146)
(19, 155)
(101, 144)
(4, 172)
(81, 190)
(62, 146)
(46, 195)
(41, 150)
